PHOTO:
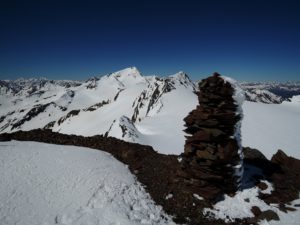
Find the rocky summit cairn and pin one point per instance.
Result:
(212, 159)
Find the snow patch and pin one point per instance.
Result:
(198, 197)
(269, 189)
(238, 206)
(169, 196)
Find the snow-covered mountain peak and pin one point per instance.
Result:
(179, 75)
(182, 79)
(130, 71)
(128, 76)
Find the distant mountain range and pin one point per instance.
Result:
(124, 104)
(270, 92)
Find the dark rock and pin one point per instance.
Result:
(285, 208)
(280, 157)
(206, 154)
(268, 215)
(74, 112)
(200, 136)
(97, 106)
(49, 125)
(117, 95)
(2, 118)
(286, 179)
(216, 74)
(256, 211)
(262, 186)
(251, 153)
(290, 209)
(5, 137)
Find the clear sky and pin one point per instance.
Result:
(57, 39)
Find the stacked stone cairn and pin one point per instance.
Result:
(212, 159)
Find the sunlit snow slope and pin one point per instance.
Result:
(43, 184)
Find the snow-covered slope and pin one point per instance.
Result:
(144, 109)
(51, 184)
(270, 127)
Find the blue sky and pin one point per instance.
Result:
(247, 40)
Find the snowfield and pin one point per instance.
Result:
(269, 127)
(44, 184)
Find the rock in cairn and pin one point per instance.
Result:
(213, 158)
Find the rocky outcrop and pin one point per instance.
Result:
(117, 95)
(125, 127)
(128, 128)
(92, 83)
(212, 158)
(74, 112)
(97, 106)
(35, 111)
(286, 179)
(49, 125)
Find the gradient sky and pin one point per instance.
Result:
(247, 40)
